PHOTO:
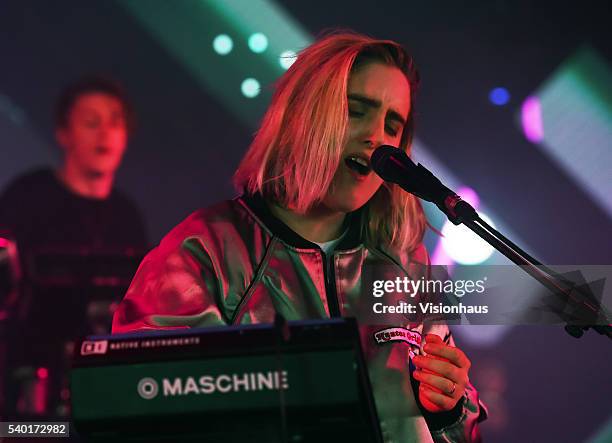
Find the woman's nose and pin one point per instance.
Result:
(375, 132)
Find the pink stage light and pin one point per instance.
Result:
(42, 373)
(531, 120)
(469, 195)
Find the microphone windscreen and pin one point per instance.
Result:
(380, 160)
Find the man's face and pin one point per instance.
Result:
(95, 135)
(379, 105)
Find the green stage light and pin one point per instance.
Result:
(258, 42)
(186, 30)
(250, 87)
(570, 119)
(223, 44)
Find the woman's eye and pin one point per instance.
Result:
(391, 131)
(353, 113)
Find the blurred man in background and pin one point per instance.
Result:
(78, 240)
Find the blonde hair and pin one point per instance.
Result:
(298, 147)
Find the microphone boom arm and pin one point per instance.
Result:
(394, 165)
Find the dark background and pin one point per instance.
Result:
(540, 384)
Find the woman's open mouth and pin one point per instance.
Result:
(358, 164)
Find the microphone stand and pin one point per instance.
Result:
(394, 165)
(459, 211)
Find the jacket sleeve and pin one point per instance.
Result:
(461, 423)
(393, 361)
(178, 285)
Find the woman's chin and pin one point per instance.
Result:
(346, 202)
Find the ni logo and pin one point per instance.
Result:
(94, 347)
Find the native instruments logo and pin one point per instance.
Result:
(94, 347)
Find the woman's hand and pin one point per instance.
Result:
(442, 373)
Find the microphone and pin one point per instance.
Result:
(393, 165)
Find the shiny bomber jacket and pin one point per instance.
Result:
(235, 263)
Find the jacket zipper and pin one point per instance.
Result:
(330, 286)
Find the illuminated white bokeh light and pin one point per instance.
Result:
(258, 42)
(463, 245)
(287, 58)
(223, 44)
(250, 87)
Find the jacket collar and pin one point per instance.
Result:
(259, 206)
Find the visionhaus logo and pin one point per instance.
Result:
(148, 388)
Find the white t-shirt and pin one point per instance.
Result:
(328, 246)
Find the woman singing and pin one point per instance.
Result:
(312, 215)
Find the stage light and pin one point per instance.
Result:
(463, 245)
(258, 42)
(287, 58)
(250, 87)
(469, 195)
(570, 118)
(181, 27)
(531, 120)
(499, 96)
(223, 44)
